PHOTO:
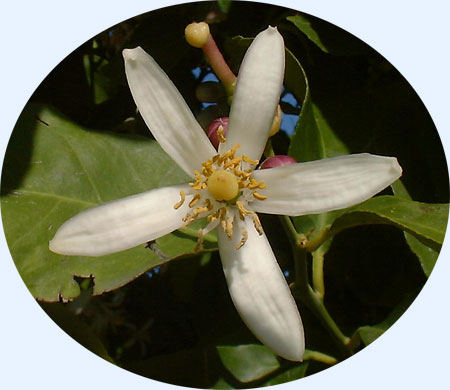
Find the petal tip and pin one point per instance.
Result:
(131, 54)
(294, 348)
(396, 167)
(55, 247)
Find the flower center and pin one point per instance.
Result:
(221, 193)
(223, 185)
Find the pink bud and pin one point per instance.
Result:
(277, 161)
(214, 126)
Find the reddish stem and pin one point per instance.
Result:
(218, 64)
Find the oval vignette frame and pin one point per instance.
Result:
(311, 379)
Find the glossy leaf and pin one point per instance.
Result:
(248, 362)
(426, 221)
(54, 169)
(328, 38)
(427, 255)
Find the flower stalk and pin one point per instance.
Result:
(219, 65)
(303, 291)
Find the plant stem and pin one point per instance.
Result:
(317, 273)
(219, 66)
(303, 291)
(319, 357)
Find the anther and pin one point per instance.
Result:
(242, 210)
(199, 241)
(257, 224)
(257, 195)
(249, 160)
(180, 203)
(243, 239)
(220, 135)
(194, 200)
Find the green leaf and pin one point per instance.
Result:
(222, 384)
(313, 139)
(427, 255)
(224, 5)
(369, 334)
(427, 222)
(53, 169)
(328, 37)
(248, 362)
(292, 374)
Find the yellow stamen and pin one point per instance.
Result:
(200, 209)
(180, 203)
(257, 195)
(243, 239)
(234, 163)
(229, 227)
(199, 240)
(257, 224)
(198, 180)
(249, 160)
(194, 200)
(220, 135)
(208, 204)
(242, 210)
(256, 184)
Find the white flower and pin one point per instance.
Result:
(226, 190)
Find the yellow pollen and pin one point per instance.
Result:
(199, 241)
(243, 239)
(226, 181)
(208, 204)
(220, 135)
(223, 185)
(257, 195)
(256, 184)
(229, 227)
(194, 200)
(180, 203)
(257, 224)
(249, 160)
(242, 210)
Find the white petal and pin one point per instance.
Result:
(260, 292)
(324, 185)
(121, 224)
(165, 112)
(257, 94)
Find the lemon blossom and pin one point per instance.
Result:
(226, 189)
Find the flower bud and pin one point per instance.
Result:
(213, 129)
(277, 161)
(197, 34)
